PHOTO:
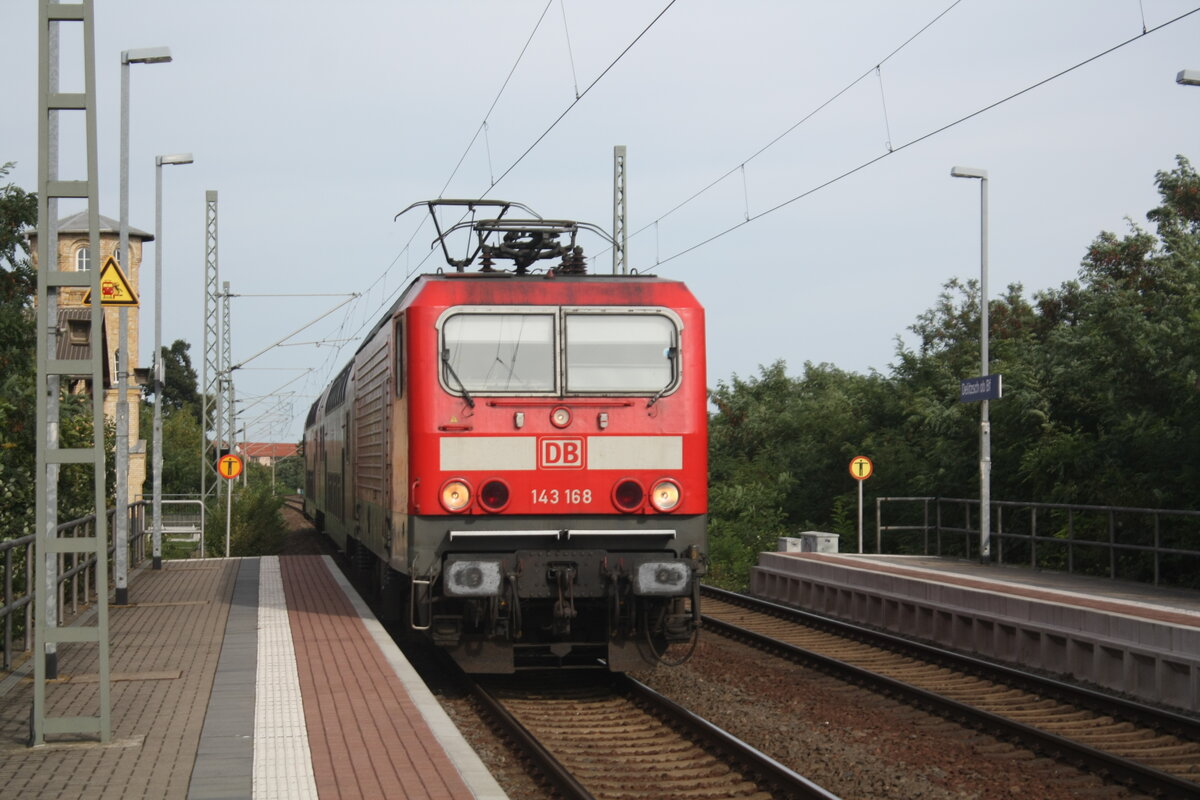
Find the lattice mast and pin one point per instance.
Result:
(620, 210)
(50, 369)
(210, 378)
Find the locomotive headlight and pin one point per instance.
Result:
(560, 417)
(661, 578)
(473, 578)
(665, 495)
(456, 495)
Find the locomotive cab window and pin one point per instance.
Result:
(484, 353)
(561, 351)
(623, 353)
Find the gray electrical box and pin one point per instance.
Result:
(809, 542)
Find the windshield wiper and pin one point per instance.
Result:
(672, 354)
(466, 395)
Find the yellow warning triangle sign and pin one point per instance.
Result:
(114, 288)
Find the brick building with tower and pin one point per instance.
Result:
(75, 322)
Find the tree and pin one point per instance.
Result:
(181, 431)
(1123, 363)
(289, 475)
(18, 368)
(1101, 399)
(18, 211)
(258, 527)
(180, 389)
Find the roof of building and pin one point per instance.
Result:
(78, 223)
(268, 449)
(69, 349)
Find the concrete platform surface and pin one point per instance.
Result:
(1135, 638)
(242, 678)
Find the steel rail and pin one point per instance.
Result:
(752, 763)
(1117, 768)
(550, 767)
(786, 781)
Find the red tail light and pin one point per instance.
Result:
(628, 495)
(494, 495)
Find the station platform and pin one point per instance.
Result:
(242, 678)
(1137, 639)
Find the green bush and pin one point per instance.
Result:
(258, 526)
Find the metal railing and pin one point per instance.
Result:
(76, 576)
(1143, 544)
(184, 517)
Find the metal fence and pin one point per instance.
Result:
(76, 576)
(183, 519)
(1153, 545)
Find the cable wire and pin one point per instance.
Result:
(801, 121)
(520, 158)
(924, 136)
(582, 95)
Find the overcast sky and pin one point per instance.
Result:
(317, 122)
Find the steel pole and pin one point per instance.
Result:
(860, 517)
(47, 610)
(153, 55)
(121, 518)
(156, 535)
(985, 425)
(158, 377)
(228, 516)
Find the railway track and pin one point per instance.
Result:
(1150, 749)
(607, 736)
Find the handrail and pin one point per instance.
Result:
(76, 575)
(1067, 538)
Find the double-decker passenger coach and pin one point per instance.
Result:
(519, 456)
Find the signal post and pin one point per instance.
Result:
(229, 467)
(861, 468)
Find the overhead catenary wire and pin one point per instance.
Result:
(814, 112)
(349, 320)
(887, 126)
(584, 93)
(563, 7)
(406, 249)
(330, 365)
(496, 99)
(928, 135)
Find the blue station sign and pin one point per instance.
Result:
(972, 390)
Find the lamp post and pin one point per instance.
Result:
(1188, 77)
(145, 55)
(985, 427)
(156, 536)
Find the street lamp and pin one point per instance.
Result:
(144, 55)
(1188, 77)
(985, 427)
(156, 536)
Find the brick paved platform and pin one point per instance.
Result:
(242, 678)
(1136, 638)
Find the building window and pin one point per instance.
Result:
(83, 259)
(79, 332)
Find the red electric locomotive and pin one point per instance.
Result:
(520, 456)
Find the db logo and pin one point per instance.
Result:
(560, 453)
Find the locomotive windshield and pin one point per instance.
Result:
(611, 351)
(500, 352)
(626, 353)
